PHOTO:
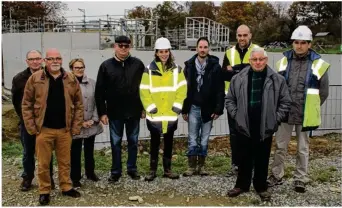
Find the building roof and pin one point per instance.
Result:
(322, 34)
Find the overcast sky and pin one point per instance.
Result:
(93, 8)
(103, 8)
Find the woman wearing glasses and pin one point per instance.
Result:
(90, 127)
(162, 92)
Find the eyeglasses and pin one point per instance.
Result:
(54, 59)
(78, 68)
(123, 45)
(34, 59)
(258, 59)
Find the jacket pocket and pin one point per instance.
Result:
(271, 121)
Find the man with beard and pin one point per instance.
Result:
(52, 110)
(235, 59)
(203, 104)
(34, 61)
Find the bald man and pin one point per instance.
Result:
(52, 110)
(234, 60)
(34, 62)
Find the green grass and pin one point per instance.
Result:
(324, 175)
(103, 162)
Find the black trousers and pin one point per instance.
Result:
(253, 153)
(89, 163)
(154, 150)
(233, 140)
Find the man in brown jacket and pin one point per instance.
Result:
(52, 110)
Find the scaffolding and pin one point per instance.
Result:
(142, 32)
(217, 34)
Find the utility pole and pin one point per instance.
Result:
(84, 19)
(10, 18)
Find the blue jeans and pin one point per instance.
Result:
(29, 144)
(116, 128)
(198, 133)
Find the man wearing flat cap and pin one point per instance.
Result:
(118, 104)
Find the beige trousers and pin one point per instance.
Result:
(283, 136)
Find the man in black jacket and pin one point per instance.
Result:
(258, 100)
(234, 60)
(118, 104)
(34, 61)
(203, 104)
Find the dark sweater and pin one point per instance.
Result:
(55, 106)
(256, 82)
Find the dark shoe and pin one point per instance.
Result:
(114, 178)
(235, 192)
(72, 192)
(170, 174)
(233, 171)
(151, 176)
(93, 177)
(201, 164)
(265, 196)
(44, 199)
(26, 185)
(272, 181)
(299, 186)
(134, 175)
(53, 186)
(192, 161)
(76, 184)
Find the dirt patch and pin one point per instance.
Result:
(10, 121)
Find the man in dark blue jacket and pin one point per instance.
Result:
(203, 104)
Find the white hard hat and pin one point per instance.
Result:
(302, 32)
(162, 43)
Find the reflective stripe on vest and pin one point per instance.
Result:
(312, 107)
(169, 88)
(234, 59)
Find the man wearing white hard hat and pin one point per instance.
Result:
(306, 74)
(162, 92)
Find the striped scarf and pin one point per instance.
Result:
(200, 72)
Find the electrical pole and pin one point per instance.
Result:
(84, 19)
(10, 19)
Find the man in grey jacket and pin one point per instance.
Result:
(258, 100)
(306, 74)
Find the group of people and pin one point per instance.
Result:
(60, 110)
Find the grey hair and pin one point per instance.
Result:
(33, 51)
(258, 49)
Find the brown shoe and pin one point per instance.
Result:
(170, 174)
(235, 192)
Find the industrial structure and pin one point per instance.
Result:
(143, 32)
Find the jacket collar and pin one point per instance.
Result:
(312, 55)
(85, 79)
(154, 67)
(45, 75)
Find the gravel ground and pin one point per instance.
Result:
(193, 191)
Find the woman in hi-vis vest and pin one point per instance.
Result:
(162, 92)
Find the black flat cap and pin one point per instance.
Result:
(122, 39)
